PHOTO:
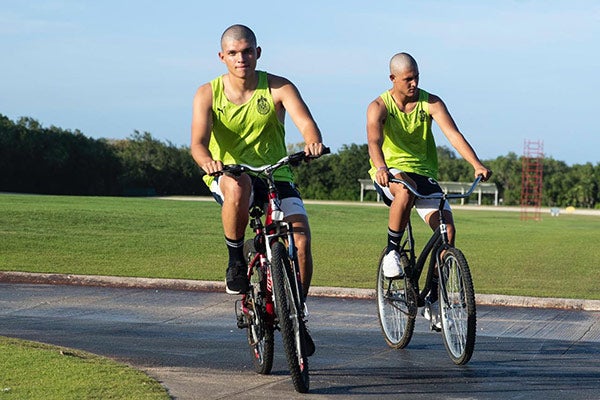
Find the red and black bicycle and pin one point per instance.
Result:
(275, 299)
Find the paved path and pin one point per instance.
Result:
(188, 341)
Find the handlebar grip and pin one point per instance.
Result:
(298, 157)
(326, 150)
(234, 169)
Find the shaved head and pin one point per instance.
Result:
(238, 32)
(402, 62)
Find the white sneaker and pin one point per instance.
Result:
(391, 265)
(431, 312)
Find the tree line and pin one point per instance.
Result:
(35, 159)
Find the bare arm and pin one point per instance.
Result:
(201, 130)
(442, 117)
(376, 115)
(287, 98)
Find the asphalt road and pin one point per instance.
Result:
(189, 342)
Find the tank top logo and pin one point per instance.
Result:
(422, 115)
(262, 105)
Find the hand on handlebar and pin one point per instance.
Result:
(484, 173)
(315, 150)
(213, 167)
(310, 152)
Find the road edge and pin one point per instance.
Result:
(316, 291)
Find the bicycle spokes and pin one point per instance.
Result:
(397, 298)
(457, 307)
(397, 308)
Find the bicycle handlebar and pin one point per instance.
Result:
(292, 159)
(438, 196)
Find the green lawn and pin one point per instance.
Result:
(63, 373)
(555, 257)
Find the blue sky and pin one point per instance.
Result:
(509, 71)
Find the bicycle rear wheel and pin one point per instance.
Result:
(397, 308)
(457, 306)
(289, 314)
(259, 329)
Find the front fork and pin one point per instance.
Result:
(437, 247)
(295, 266)
(282, 230)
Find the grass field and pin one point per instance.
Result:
(141, 237)
(32, 370)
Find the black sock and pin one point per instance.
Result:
(394, 238)
(236, 250)
(433, 292)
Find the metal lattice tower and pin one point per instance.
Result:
(531, 180)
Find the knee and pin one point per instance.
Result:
(236, 190)
(403, 198)
(451, 230)
(302, 241)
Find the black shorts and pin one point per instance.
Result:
(424, 185)
(261, 190)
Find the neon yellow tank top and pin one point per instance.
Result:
(249, 133)
(408, 143)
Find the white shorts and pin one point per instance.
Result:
(290, 201)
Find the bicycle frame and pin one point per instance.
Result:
(273, 229)
(437, 243)
(450, 309)
(275, 300)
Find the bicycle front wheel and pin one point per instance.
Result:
(457, 306)
(289, 314)
(397, 308)
(260, 327)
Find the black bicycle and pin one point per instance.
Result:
(275, 299)
(398, 299)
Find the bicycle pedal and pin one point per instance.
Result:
(240, 316)
(242, 324)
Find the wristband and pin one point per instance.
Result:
(380, 168)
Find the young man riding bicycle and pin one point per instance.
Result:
(238, 118)
(401, 143)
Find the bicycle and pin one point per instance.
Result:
(275, 299)
(398, 299)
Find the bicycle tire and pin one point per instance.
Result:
(396, 308)
(290, 321)
(259, 330)
(457, 306)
